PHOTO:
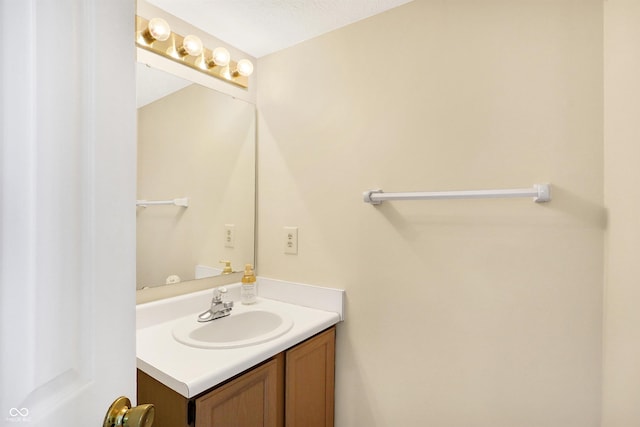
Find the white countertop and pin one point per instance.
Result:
(190, 371)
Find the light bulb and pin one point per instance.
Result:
(221, 56)
(191, 45)
(244, 67)
(158, 29)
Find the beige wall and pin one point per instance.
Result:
(459, 313)
(199, 144)
(621, 394)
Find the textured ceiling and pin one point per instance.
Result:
(260, 27)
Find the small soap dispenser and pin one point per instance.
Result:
(248, 291)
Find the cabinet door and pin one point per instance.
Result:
(252, 400)
(309, 386)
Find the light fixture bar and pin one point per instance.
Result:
(172, 48)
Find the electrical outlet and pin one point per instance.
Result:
(291, 240)
(229, 235)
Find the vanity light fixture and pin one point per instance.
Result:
(244, 68)
(156, 36)
(157, 29)
(191, 45)
(221, 57)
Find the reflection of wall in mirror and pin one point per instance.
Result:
(199, 144)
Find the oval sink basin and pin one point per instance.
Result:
(236, 330)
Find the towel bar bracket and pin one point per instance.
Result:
(367, 196)
(544, 193)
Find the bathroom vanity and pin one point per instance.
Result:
(293, 388)
(223, 374)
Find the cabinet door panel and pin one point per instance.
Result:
(309, 400)
(250, 400)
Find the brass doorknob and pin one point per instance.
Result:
(121, 413)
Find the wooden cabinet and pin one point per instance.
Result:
(252, 399)
(293, 389)
(171, 408)
(310, 382)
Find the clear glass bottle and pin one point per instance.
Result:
(248, 290)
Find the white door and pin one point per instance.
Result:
(67, 212)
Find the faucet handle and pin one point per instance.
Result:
(217, 293)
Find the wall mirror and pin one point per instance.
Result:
(197, 144)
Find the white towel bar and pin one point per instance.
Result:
(540, 193)
(184, 202)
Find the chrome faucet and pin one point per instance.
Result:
(218, 308)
